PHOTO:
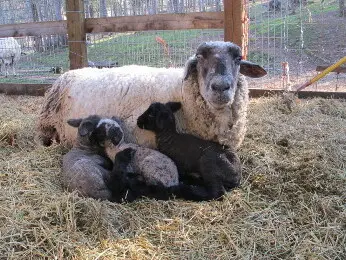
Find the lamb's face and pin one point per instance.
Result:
(109, 129)
(97, 130)
(218, 65)
(158, 116)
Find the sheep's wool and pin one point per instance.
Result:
(126, 92)
(155, 167)
(81, 171)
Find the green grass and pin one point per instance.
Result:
(274, 26)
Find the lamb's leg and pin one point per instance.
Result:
(211, 170)
(191, 192)
(118, 182)
(231, 171)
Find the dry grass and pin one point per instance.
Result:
(292, 204)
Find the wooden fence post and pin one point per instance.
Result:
(236, 23)
(76, 33)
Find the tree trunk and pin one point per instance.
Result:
(91, 11)
(58, 7)
(342, 8)
(86, 8)
(201, 4)
(217, 5)
(28, 9)
(181, 6)
(152, 6)
(125, 7)
(103, 8)
(175, 6)
(34, 13)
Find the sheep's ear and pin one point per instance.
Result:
(190, 67)
(252, 70)
(86, 127)
(74, 122)
(174, 106)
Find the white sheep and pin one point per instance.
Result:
(213, 94)
(10, 52)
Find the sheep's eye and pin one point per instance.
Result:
(238, 59)
(150, 115)
(199, 56)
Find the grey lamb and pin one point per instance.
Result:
(86, 168)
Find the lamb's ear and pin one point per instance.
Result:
(174, 106)
(115, 118)
(190, 66)
(86, 127)
(252, 70)
(74, 122)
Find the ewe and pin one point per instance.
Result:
(213, 93)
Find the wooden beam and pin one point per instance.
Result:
(76, 34)
(210, 20)
(40, 89)
(33, 29)
(24, 89)
(337, 70)
(256, 93)
(233, 17)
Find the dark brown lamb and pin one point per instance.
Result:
(217, 165)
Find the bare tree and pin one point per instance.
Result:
(342, 8)
(86, 8)
(152, 6)
(181, 6)
(91, 11)
(202, 4)
(173, 6)
(28, 7)
(103, 8)
(218, 5)
(125, 7)
(58, 8)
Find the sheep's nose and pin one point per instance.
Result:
(220, 87)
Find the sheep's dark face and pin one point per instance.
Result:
(217, 65)
(159, 117)
(98, 130)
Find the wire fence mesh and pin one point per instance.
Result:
(290, 38)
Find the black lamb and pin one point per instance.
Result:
(218, 166)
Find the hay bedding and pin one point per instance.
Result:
(292, 203)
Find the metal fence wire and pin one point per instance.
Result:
(289, 38)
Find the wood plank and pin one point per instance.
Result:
(33, 29)
(255, 93)
(40, 89)
(233, 17)
(24, 89)
(337, 70)
(76, 34)
(209, 20)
